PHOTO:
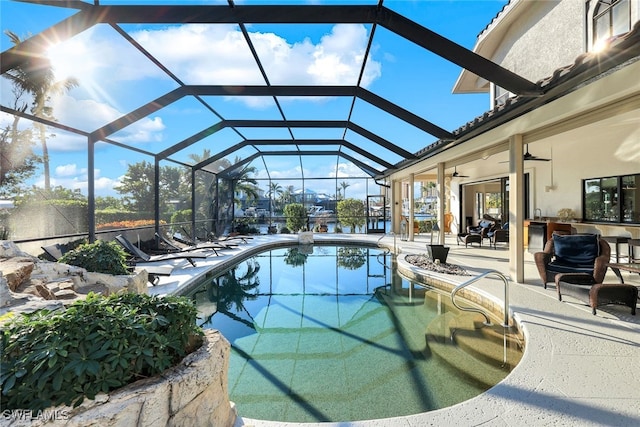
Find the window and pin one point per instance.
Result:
(611, 18)
(612, 199)
(500, 96)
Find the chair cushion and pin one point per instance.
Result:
(556, 267)
(576, 249)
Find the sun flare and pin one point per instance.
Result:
(66, 60)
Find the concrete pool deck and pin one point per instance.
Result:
(577, 369)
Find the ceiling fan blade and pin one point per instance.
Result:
(455, 174)
(529, 156)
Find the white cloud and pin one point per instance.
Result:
(89, 115)
(66, 170)
(201, 54)
(218, 54)
(347, 169)
(72, 177)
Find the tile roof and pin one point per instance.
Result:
(622, 51)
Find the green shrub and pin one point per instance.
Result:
(425, 226)
(96, 345)
(110, 215)
(99, 257)
(296, 216)
(285, 230)
(351, 212)
(245, 226)
(179, 218)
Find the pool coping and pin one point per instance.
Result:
(577, 369)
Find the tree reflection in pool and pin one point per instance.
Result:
(330, 334)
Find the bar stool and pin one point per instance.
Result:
(634, 250)
(617, 242)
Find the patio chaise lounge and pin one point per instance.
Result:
(211, 237)
(141, 256)
(54, 251)
(200, 244)
(173, 248)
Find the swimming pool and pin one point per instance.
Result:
(329, 333)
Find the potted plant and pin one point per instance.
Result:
(438, 253)
(321, 224)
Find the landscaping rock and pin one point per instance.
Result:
(26, 280)
(45, 292)
(8, 249)
(16, 271)
(66, 294)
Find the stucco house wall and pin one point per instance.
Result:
(548, 35)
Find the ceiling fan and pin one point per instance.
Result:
(456, 174)
(529, 156)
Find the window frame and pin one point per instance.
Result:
(626, 210)
(604, 9)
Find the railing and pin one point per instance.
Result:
(390, 233)
(477, 310)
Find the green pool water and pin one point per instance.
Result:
(330, 334)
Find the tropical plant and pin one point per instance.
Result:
(295, 258)
(287, 194)
(108, 202)
(351, 258)
(94, 346)
(99, 257)
(351, 212)
(37, 78)
(296, 216)
(275, 193)
(216, 190)
(233, 288)
(285, 230)
(243, 181)
(138, 186)
(37, 194)
(17, 160)
(344, 185)
(205, 182)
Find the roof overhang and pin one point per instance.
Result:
(486, 45)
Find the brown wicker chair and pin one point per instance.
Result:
(484, 229)
(579, 253)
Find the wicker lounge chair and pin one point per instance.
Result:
(573, 253)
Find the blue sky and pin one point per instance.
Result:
(115, 79)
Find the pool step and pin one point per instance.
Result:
(486, 354)
(492, 344)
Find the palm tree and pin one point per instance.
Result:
(38, 78)
(287, 194)
(344, 186)
(205, 183)
(275, 191)
(243, 181)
